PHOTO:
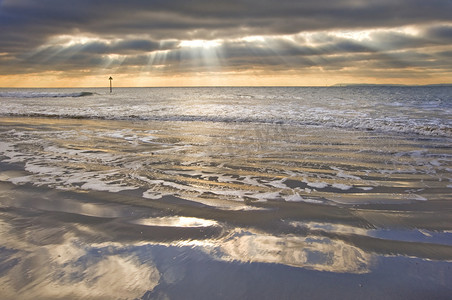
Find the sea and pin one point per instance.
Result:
(226, 193)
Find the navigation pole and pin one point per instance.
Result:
(110, 83)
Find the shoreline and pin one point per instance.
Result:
(100, 209)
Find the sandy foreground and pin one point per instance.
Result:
(86, 216)
(99, 245)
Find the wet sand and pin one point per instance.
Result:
(99, 245)
(96, 215)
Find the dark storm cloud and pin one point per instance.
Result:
(120, 47)
(440, 33)
(139, 27)
(174, 19)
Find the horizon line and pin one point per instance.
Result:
(240, 86)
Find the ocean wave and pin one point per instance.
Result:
(378, 126)
(30, 94)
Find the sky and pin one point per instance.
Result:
(81, 43)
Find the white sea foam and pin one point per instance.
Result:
(238, 195)
(252, 181)
(99, 184)
(35, 94)
(150, 194)
(297, 198)
(435, 163)
(314, 109)
(317, 185)
(7, 150)
(278, 184)
(415, 197)
(440, 130)
(294, 198)
(266, 196)
(341, 186)
(343, 174)
(366, 188)
(239, 150)
(5, 147)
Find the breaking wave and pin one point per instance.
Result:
(29, 94)
(412, 111)
(378, 126)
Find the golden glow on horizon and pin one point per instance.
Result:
(248, 78)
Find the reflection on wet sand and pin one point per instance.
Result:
(80, 218)
(175, 222)
(70, 269)
(77, 250)
(83, 251)
(312, 252)
(66, 265)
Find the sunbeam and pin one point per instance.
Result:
(202, 55)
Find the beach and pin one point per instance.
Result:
(244, 193)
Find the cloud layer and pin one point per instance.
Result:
(400, 39)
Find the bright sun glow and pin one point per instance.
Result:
(71, 40)
(353, 35)
(176, 222)
(253, 39)
(200, 43)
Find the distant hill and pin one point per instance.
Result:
(388, 85)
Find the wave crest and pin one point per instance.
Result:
(443, 130)
(43, 94)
